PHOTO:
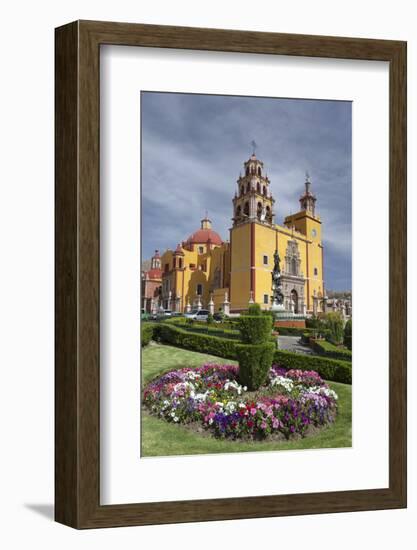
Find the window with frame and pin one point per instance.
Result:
(316, 271)
(266, 299)
(201, 249)
(199, 289)
(265, 259)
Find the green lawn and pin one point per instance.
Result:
(159, 438)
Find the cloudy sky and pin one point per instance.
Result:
(194, 146)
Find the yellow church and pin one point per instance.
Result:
(205, 271)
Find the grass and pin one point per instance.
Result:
(159, 438)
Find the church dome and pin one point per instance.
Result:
(205, 234)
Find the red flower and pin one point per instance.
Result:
(250, 424)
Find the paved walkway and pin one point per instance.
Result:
(293, 343)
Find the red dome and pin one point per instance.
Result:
(154, 273)
(202, 236)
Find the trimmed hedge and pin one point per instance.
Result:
(204, 343)
(293, 331)
(147, 333)
(210, 330)
(330, 369)
(330, 350)
(255, 361)
(255, 329)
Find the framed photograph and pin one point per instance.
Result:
(230, 274)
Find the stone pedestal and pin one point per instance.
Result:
(211, 305)
(226, 304)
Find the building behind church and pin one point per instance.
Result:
(208, 271)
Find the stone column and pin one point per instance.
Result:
(188, 307)
(315, 304)
(251, 300)
(211, 305)
(226, 304)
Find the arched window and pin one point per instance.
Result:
(259, 210)
(199, 289)
(294, 266)
(264, 190)
(259, 171)
(247, 170)
(258, 188)
(294, 300)
(246, 208)
(242, 189)
(268, 214)
(238, 211)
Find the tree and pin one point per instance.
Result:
(335, 325)
(347, 338)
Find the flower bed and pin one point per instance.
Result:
(292, 403)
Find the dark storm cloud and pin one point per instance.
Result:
(194, 146)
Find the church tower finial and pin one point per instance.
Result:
(307, 199)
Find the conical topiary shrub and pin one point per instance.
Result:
(256, 353)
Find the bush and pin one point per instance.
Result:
(315, 322)
(330, 350)
(254, 363)
(254, 309)
(256, 352)
(347, 337)
(147, 333)
(330, 369)
(334, 324)
(210, 319)
(255, 329)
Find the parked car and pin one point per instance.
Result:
(198, 315)
(166, 313)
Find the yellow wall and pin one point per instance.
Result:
(234, 264)
(240, 267)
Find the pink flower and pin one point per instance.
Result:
(253, 411)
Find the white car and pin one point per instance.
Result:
(198, 315)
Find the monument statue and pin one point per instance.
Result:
(277, 295)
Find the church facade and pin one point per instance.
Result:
(207, 271)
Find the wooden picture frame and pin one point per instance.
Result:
(77, 374)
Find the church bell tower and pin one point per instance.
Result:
(253, 200)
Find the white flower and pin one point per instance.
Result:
(211, 421)
(176, 418)
(320, 390)
(245, 388)
(230, 407)
(284, 382)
